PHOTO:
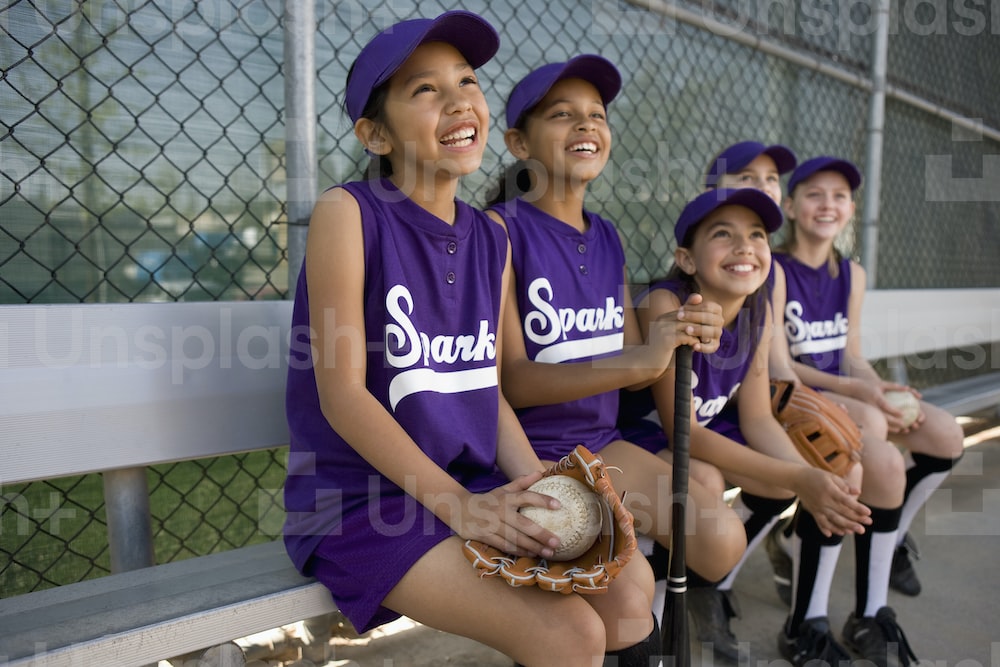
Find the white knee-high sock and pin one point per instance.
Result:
(759, 515)
(873, 557)
(923, 476)
(814, 562)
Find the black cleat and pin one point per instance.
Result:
(879, 639)
(710, 610)
(902, 576)
(781, 562)
(814, 642)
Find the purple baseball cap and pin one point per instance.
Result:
(706, 202)
(736, 157)
(825, 163)
(381, 57)
(530, 90)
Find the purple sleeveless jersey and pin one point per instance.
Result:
(432, 300)
(815, 318)
(570, 297)
(715, 379)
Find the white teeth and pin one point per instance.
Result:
(461, 137)
(741, 268)
(585, 146)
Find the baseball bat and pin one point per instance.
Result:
(675, 619)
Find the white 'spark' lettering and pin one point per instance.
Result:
(813, 337)
(406, 347)
(545, 324)
(706, 409)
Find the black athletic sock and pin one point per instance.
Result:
(637, 655)
(925, 475)
(762, 512)
(659, 560)
(759, 514)
(815, 558)
(873, 556)
(695, 580)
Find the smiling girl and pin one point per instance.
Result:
(402, 446)
(818, 296)
(723, 254)
(571, 336)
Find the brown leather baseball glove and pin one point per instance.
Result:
(589, 573)
(820, 429)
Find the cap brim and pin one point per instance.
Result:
(704, 204)
(784, 158)
(474, 38)
(596, 70)
(469, 33)
(758, 202)
(815, 165)
(735, 158)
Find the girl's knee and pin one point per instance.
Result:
(871, 421)
(732, 543)
(573, 636)
(855, 475)
(717, 537)
(944, 435)
(884, 473)
(708, 476)
(718, 546)
(589, 635)
(626, 613)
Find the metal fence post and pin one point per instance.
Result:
(300, 127)
(130, 531)
(876, 133)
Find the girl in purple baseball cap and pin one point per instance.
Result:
(723, 253)
(571, 339)
(745, 164)
(401, 444)
(818, 297)
(751, 164)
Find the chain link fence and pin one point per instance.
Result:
(142, 152)
(143, 146)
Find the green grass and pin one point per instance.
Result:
(55, 532)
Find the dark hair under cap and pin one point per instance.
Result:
(815, 165)
(530, 90)
(734, 158)
(699, 207)
(382, 57)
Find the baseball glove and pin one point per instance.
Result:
(589, 573)
(820, 429)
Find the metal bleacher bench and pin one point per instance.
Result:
(925, 326)
(112, 389)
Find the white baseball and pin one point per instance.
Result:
(577, 523)
(906, 403)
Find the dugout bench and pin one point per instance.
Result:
(937, 329)
(116, 388)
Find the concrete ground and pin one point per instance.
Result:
(952, 623)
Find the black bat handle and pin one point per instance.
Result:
(675, 620)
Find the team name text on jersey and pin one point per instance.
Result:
(806, 337)
(441, 349)
(546, 323)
